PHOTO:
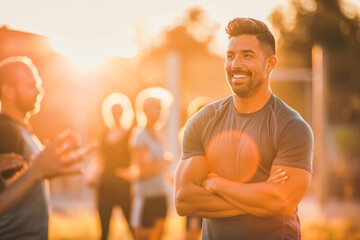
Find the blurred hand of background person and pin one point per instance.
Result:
(130, 174)
(10, 161)
(58, 158)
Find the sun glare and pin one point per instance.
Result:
(88, 53)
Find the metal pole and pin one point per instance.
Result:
(172, 84)
(319, 121)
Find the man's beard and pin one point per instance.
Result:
(246, 89)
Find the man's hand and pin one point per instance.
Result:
(58, 158)
(279, 176)
(10, 161)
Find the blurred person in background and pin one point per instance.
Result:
(193, 224)
(232, 146)
(23, 198)
(114, 154)
(150, 163)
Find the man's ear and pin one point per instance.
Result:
(6, 91)
(271, 63)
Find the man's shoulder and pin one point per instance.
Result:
(284, 112)
(11, 138)
(287, 117)
(210, 110)
(8, 127)
(6, 120)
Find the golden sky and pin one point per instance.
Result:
(88, 31)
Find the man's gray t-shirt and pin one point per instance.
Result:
(244, 147)
(28, 219)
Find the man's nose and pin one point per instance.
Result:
(237, 63)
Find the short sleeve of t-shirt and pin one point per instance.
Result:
(11, 140)
(191, 144)
(295, 146)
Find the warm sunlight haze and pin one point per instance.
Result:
(154, 84)
(88, 32)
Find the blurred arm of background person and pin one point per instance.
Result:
(10, 161)
(142, 167)
(57, 159)
(94, 170)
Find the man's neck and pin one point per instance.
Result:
(252, 103)
(15, 114)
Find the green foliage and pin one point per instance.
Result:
(325, 23)
(347, 138)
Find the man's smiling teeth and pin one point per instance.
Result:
(239, 76)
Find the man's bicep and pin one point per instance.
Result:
(297, 184)
(192, 170)
(295, 146)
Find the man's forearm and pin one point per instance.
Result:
(199, 202)
(276, 198)
(17, 190)
(261, 199)
(256, 211)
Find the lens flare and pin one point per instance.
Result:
(233, 148)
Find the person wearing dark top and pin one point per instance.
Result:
(23, 200)
(113, 190)
(232, 146)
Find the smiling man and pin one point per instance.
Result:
(247, 159)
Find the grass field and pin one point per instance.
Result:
(82, 224)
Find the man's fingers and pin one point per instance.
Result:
(62, 136)
(89, 147)
(279, 180)
(78, 155)
(10, 161)
(10, 164)
(277, 176)
(73, 158)
(10, 156)
(68, 147)
(71, 171)
(65, 137)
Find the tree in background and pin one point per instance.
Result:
(329, 24)
(334, 25)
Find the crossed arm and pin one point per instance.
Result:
(194, 200)
(273, 198)
(199, 193)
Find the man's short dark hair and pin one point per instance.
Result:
(240, 26)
